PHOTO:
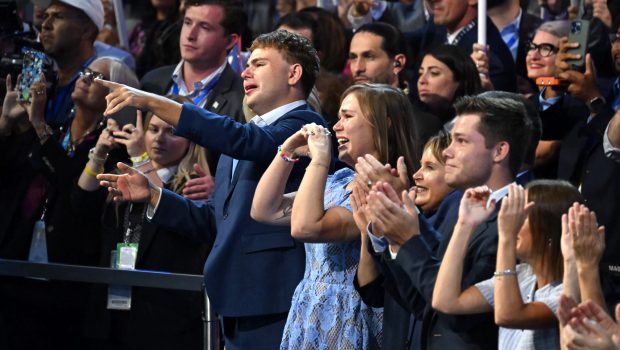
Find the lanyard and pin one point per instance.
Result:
(203, 93)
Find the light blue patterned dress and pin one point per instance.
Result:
(326, 311)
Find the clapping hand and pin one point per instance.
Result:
(369, 171)
(396, 218)
(588, 238)
(513, 213)
(473, 209)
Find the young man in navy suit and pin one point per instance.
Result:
(253, 268)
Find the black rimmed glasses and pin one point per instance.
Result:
(544, 49)
(91, 74)
(614, 37)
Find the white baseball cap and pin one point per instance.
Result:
(92, 8)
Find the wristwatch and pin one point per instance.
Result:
(597, 104)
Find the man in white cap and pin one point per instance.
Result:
(68, 32)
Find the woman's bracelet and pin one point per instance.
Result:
(285, 156)
(139, 160)
(90, 171)
(92, 156)
(507, 272)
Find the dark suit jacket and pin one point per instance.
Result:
(527, 29)
(253, 268)
(583, 162)
(557, 121)
(226, 98)
(502, 66)
(420, 264)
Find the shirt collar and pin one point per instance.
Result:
(165, 174)
(275, 114)
(177, 78)
(452, 37)
(516, 23)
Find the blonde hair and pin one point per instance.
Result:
(195, 154)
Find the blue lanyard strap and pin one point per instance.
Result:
(203, 93)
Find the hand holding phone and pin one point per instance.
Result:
(32, 70)
(579, 33)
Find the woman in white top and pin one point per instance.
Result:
(523, 297)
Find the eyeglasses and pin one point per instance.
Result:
(91, 74)
(614, 37)
(544, 49)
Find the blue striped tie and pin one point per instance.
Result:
(510, 35)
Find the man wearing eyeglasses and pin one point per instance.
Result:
(68, 33)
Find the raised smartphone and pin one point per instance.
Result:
(32, 69)
(579, 33)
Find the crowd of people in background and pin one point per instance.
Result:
(353, 174)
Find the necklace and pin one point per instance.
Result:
(68, 143)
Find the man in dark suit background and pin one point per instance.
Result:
(487, 149)
(253, 268)
(517, 27)
(209, 31)
(455, 23)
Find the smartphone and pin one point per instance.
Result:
(32, 70)
(579, 33)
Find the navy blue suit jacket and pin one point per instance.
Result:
(419, 260)
(253, 268)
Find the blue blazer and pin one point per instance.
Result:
(253, 268)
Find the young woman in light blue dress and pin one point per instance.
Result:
(326, 311)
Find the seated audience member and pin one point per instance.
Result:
(263, 264)
(522, 296)
(430, 185)
(373, 119)
(583, 161)
(157, 318)
(445, 74)
(487, 148)
(35, 193)
(154, 41)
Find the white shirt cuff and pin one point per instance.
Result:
(150, 211)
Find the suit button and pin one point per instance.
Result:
(225, 216)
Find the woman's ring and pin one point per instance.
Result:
(369, 183)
